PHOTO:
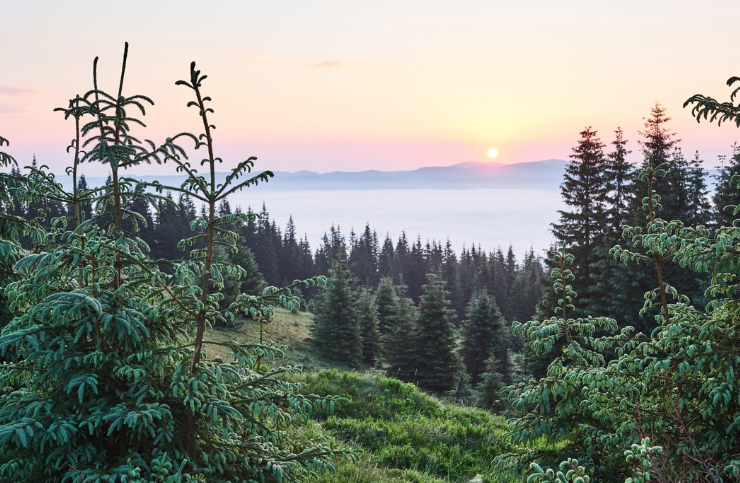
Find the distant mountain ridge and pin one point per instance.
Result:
(546, 174)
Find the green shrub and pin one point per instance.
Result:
(400, 427)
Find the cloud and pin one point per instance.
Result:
(11, 110)
(16, 91)
(328, 64)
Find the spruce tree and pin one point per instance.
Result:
(675, 202)
(400, 347)
(451, 276)
(367, 312)
(585, 191)
(337, 330)
(619, 173)
(266, 248)
(483, 336)
(252, 280)
(13, 192)
(290, 263)
(415, 270)
(437, 363)
(491, 385)
(112, 390)
(606, 274)
(386, 259)
(386, 300)
(363, 258)
(726, 194)
(527, 291)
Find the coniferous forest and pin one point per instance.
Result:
(124, 307)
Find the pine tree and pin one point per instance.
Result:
(111, 389)
(363, 258)
(451, 276)
(168, 230)
(437, 362)
(400, 347)
(290, 263)
(585, 190)
(386, 300)
(252, 280)
(13, 189)
(483, 336)
(265, 249)
(726, 194)
(660, 148)
(619, 173)
(386, 259)
(401, 261)
(414, 270)
(527, 291)
(337, 330)
(367, 312)
(489, 389)
(605, 272)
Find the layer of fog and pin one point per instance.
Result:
(486, 217)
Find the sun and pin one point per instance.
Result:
(492, 153)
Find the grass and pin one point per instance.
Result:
(401, 429)
(404, 435)
(286, 330)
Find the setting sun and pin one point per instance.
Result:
(492, 153)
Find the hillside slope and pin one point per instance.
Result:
(402, 434)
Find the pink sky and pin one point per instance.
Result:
(331, 85)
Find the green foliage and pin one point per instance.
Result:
(568, 472)
(401, 428)
(671, 387)
(102, 386)
(709, 109)
(489, 389)
(726, 195)
(399, 347)
(553, 407)
(585, 190)
(484, 336)
(368, 472)
(386, 300)
(639, 456)
(337, 330)
(367, 312)
(437, 363)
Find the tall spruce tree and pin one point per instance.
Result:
(698, 206)
(619, 173)
(367, 312)
(527, 292)
(363, 258)
(386, 300)
(337, 330)
(437, 362)
(484, 335)
(659, 147)
(585, 190)
(401, 345)
(451, 276)
(386, 258)
(606, 273)
(415, 270)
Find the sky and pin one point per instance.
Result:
(387, 85)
